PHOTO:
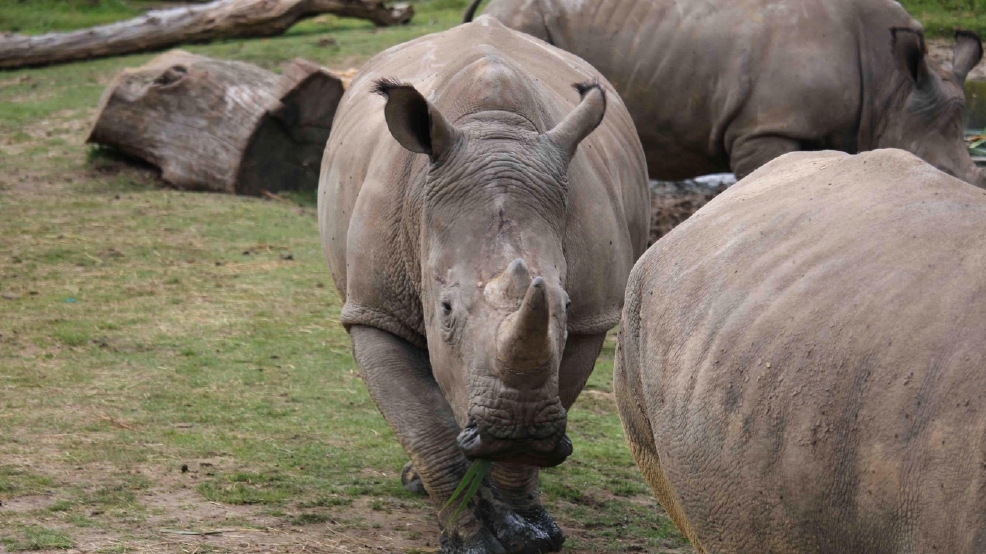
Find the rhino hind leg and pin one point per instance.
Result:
(751, 152)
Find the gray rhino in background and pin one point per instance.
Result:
(801, 365)
(728, 85)
(480, 221)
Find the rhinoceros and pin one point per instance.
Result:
(480, 217)
(728, 85)
(801, 366)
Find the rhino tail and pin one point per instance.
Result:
(586, 86)
(471, 10)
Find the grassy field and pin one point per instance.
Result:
(172, 374)
(942, 17)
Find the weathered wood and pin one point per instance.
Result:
(222, 19)
(221, 125)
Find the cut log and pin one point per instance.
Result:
(221, 125)
(158, 29)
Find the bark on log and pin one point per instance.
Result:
(221, 125)
(222, 19)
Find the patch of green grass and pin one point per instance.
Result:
(61, 506)
(36, 537)
(942, 17)
(251, 488)
(310, 518)
(70, 336)
(42, 16)
(326, 501)
(16, 481)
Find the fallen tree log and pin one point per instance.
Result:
(158, 29)
(221, 126)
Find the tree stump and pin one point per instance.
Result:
(157, 29)
(221, 126)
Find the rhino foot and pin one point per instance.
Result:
(412, 481)
(549, 535)
(482, 542)
(502, 530)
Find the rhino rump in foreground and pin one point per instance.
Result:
(800, 365)
(480, 221)
(728, 85)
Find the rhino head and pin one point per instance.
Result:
(493, 267)
(927, 107)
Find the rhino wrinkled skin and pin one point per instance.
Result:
(728, 85)
(480, 217)
(800, 365)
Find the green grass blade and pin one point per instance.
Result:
(470, 484)
(466, 480)
(473, 487)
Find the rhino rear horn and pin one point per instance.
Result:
(413, 121)
(968, 51)
(583, 120)
(522, 341)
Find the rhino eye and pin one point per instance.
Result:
(446, 307)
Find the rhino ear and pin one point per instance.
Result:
(909, 53)
(583, 120)
(416, 124)
(968, 51)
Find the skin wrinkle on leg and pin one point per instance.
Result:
(398, 377)
(518, 484)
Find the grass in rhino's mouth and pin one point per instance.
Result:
(467, 487)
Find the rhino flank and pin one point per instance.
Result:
(480, 217)
(800, 366)
(728, 85)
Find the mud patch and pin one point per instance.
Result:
(672, 202)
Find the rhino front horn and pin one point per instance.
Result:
(522, 340)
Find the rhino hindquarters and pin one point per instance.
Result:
(630, 401)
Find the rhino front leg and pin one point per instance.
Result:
(749, 153)
(519, 483)
(399, 379)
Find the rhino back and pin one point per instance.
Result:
(699, 76)
(812, 347)
(369, 192)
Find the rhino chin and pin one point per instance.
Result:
(541, 453)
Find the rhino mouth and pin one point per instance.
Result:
(543, 452)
